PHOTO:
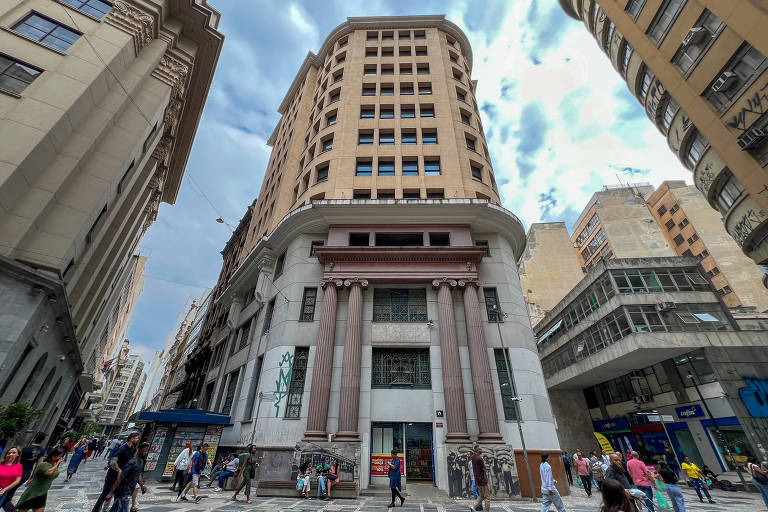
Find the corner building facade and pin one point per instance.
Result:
(699, 69)
(378, 305)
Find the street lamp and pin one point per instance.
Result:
(720, 434)
(220, 220)
(500, 315)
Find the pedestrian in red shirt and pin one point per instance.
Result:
(582, 469)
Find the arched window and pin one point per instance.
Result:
(34, 373)
(44, 386)
(15, 368)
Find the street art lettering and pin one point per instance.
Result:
(754, 396)
(283, 380)
(756, 104)
(705, 178)
(748, 222)
(502, 473)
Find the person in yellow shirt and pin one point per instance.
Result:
(695, 479)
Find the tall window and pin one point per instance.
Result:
(506, 385)
(634, 7)
(492, 306)
(401, 368)
(399, 305)
(696, 42)
(230, 395)
(669, 112)
(625, 56)
(95, 8)
(663, 20)
(695, 149)
(730, 191)
(308, 305)
(268, 316)
(254, 387)
(296, 387)
(47, 31)
(15, 75)
(244, 332)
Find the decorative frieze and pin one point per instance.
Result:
(163, 148)
(173, 72)
(137, 23)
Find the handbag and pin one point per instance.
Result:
(299, 484)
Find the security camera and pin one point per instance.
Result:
(62, 357)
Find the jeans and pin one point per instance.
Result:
(649, 493)
(553, 498)
(109, 480)
(121, 504)
(485, 496)
(699, 486)
(587, 481)
(568, 474)
(676, 497)
(223, 476)
(474, 489)
(763, 488)
(320, 486)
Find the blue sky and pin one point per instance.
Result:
(559, 120)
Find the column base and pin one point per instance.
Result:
(490, 438)
(347, 436)
(315, 435)
(457, 437)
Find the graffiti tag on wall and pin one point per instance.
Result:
(283, 380)
(500, 463)
(754, 396)
(748, 222)
(757, 104)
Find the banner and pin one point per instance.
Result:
(379, 464)
(604, 443)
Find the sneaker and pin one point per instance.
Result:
(712, 501)
(479, 508)
(183, 498)
(218, 489)
(197, 500)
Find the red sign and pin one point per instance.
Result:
(379, 463)
(439, 425)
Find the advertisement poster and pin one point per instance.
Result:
(379, 464)
(212, 436)
(154, 449)
(194, 435)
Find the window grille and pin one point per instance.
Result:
(308, 305)
(296, 387)
(401, 368)
(399, 305)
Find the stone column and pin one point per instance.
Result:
(349, 402)
(323, 365)
(453, 387)
(482, 381)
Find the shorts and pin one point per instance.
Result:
(196, 480)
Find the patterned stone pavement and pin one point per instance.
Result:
(81, 493)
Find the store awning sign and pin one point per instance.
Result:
(611, 425)
(689, 411)
(604, 443)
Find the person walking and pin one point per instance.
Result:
(617, 472)
(10, 475)
(642, 478)
(112, 448)
(100, 445)
(582, 471)
(181, 465)
(615, 498)
(196, 466)
(247, 472)
(669, 477)
(78, 455)
(36, 494)
(567, 465)
(481, 478)
(695, 479)
(394, 478)
(122, 456)
(549, 494)
(471, 484)
(30, 456)
(598, 472)
(759, 478)
(130, 475)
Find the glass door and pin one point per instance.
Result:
(418, 451)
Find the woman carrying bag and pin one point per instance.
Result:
(181, 465)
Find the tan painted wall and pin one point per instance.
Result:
(549, 268)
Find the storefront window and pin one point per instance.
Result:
(696, 364)
(733, 437)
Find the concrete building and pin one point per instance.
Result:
(548, 268)
(634, 351)
(379, 303)
(100, 102)
(123, 395)
(154, 375)
(699, 69)
(692, 228)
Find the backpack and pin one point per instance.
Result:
(200, 462)
(597, 471)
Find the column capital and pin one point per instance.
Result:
(326, 281)
(469, 282)
(348, 283)
(444, 281)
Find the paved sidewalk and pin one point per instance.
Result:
(81, 492)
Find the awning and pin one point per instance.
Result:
(181, 416)
(552, 329)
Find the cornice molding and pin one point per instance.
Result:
(137, 23)
(467, 254)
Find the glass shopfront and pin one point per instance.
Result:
(733, 436)
(414, 444)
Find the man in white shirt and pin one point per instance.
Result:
(549, 494)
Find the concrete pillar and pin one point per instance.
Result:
(323, 365)
(453, 387)
(349, 402)
(482, 382)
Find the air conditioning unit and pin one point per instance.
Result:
(752, 137)
(724, 81)
(665, 306)
(643, 399)
(695, 36)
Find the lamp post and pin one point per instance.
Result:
(720, 434)
(513, 389)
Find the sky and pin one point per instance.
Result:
(560, 123)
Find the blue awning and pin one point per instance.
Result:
(182, 416)
(552, 329)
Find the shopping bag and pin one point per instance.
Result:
(299, 484)
(661, 501)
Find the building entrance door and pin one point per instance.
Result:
(413, 442)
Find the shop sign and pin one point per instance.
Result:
(667, 418)
(611, 425)
(655, 418)
(379, 463)
(689, 411)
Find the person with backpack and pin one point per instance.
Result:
(598, 473)
(196, 466)
(759, 478)
(567, 465)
